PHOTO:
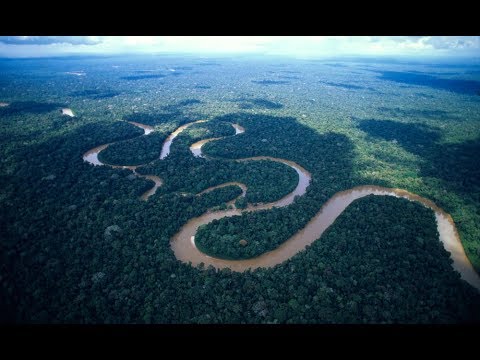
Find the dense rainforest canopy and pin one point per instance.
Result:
(79, 246)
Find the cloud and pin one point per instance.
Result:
(48, 40)
(454, 42)
(292, 46)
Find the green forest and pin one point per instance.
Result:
(79, 246)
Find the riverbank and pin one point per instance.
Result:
(183, 242)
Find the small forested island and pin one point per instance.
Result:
(172, 189)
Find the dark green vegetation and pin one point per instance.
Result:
(184, 173)
(95, 94)
(136, 151)
(145, 149)
(456, 165)
(266, 180)
(438, 115)
(270, 82)
(78, 245)
(455, 85)
(141, 77)
(380, 261)
(178, 106)
(172, 118)
(258, 103)
(29, 107)
(265, 135)
(345, 86)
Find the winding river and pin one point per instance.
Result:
(183, 242)
(166, 145)
(91, 156)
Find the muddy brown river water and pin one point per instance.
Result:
(172, 136)
(91, 156)
(183, 242)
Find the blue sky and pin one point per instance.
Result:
(295, 46)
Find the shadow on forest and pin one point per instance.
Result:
(72, 235)
(289, 77)
(459, 86)
(409, 136)
(348, 86)
(141, 77)
(95, 94)
(433, 73)
(336, 65)
(144, 71)
(179, 107)
(452, 66)
(428, 96)
(181, 104)
(416, 113)
(208, 64)
(271, 82)
(32, 107)
(327, 156)
(173, 112)
(153, 119)
(257, 103)
(457, 165)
